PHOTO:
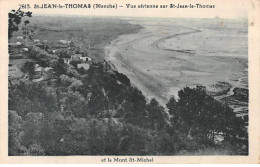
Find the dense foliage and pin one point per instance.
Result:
(14, 20)
(101, 113)
(29, 68)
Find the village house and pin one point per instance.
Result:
(65, 42)
(54, 51)
(85, 59)
(78, 58)
(25, 49)
(19, 37)
(16, 44)
(43, 73)
(36, 40)
(83, 65)
(38, 71)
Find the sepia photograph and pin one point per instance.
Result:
(118, 85)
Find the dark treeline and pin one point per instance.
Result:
(99, 112)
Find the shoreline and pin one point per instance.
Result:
(147, 72)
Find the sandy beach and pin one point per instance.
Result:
(167, 55)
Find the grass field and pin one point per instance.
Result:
(90, 34)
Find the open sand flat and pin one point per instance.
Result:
(169, 54)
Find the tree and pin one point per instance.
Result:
(121, 77)
(14, 19)
(64, 54)
(15, 132)
(134, 140)
(77, 104)
(156, 116)
(36, 150)
(201, 118)
(59, 67)
(28, 97)
(29, 67)
(135, 108)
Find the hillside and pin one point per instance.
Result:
(57, 107)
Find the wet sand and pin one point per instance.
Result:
(167, 55)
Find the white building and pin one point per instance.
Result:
(85, 58)
(25, 49)
(64, 41)
(83, 65)
(16, 44)
(54, 51)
